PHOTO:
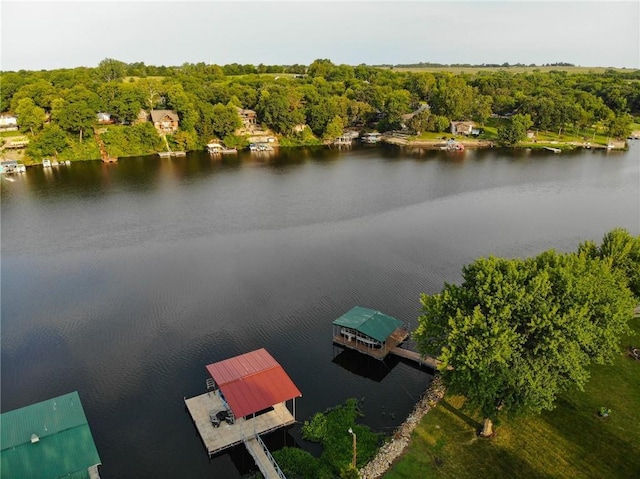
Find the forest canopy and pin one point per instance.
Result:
(323, 96)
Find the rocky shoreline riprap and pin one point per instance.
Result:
(394, 448)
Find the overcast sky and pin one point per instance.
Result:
(53, 34)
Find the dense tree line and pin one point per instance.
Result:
(324, 96)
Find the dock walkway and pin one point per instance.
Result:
(415, 356)
(263, 458)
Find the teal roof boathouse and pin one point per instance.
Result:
(50, 439)
(369, 331)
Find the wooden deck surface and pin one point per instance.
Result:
(216, 439)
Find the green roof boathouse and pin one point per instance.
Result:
(48, 440)
(368, 331)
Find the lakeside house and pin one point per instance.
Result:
(249, 117)
(142, 117)
(462, 127)
(8, 122)
(105, 118)
(165, 121)
(48, 439)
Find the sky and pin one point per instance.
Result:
(53, 34)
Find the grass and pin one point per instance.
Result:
(571, 441)
(9, 134)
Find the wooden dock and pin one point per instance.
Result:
(216, 439)
(263, 458)
(397, 337)
(415, 356)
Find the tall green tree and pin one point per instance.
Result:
(225, 120)
(280, 107)
(77, 112)
(110, 70)
(50, 141)
(30, 117)
(516, 130)
(622, 251)
(517, 332)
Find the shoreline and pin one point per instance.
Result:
(481, 144)
(392, 450)
(439, 144)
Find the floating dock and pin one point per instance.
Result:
(217, 439)
(251, 392)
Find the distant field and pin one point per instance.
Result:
(135, 79)
(474, 70)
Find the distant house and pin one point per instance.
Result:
(48, 439)
(142, 117)
(105, 118)
(404, 119)
(249, 117)
(462, 127)
(165, 121)
(8, 122)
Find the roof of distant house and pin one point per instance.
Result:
(158, 115)
(49, 439)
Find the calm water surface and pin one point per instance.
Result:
(123, 281)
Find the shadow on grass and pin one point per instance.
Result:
(603, 452)
(460, 415)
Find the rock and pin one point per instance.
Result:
(392, 450)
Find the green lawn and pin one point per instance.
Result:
(571, 441)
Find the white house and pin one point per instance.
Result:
(8, 122)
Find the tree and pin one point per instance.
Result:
(30, 116)
(281, 108)
(516, 130)
(620, 125)
(74, 114)
(622, 251)
(334, 128)
(50, 141)
(110, 70)
(452, 97)
(225, 120)
(517, 332)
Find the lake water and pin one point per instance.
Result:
(123, 281)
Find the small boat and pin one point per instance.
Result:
(46, 163)
(214, 147)
(371, 138)
(610, 146)
(54, 163)
(228, 151)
